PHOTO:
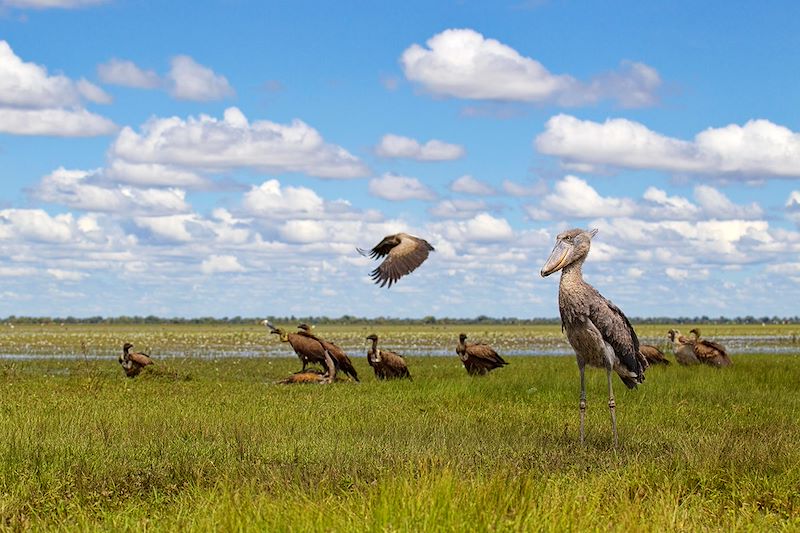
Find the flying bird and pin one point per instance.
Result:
(403, 252)
(133, 362)
(598, 330)
(709, 352)
(478, 358)
(386, 364)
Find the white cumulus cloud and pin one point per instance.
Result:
(457, 208)
(127, 74)
(190, 80)
(465, 64)
(206, 143)
(574, 197)
(36, 225)
(221, 264)
(55, 122)
(273, 201)
(793, 202)
(758, 149)
(470, 185)
(153, 174)
(33, 102)
(715, 204)
(663, 206)
(483, 228)
(79, 189)
(397, 146)
(303, 231)
(66, 275)
(398, 188)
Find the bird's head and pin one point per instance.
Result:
(305, 327)
(695, 332)
(372, 337)
(571, 246)
(127, 346)
(462, 337)
(275, 331)
(672, 334)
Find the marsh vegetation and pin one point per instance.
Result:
(205, 442)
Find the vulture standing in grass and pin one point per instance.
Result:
(653, 355)
(598, 330)
(343, 362)
(709, 352)
(683, 348)
(478, 358)
(307, 348)
(133, 362)
(403, 252)
(386, 364)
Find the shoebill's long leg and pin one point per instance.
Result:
(581, 367)
(611, 404)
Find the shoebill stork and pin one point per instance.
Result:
(709, 352)
(683, 348)
(386, 364)
(598, 330)
(343, 362)
(133, 362)
(308, 349)
(403, 252)
(653, 355)
(478, 358)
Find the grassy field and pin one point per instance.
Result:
(214, 444)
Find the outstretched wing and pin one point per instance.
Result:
(382, 248)
(402, 259)
(617, 331)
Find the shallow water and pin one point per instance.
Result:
(736, 345)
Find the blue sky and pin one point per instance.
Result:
(226, 158)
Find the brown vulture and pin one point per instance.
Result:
(386, 364)
(307, 348)
(133, 362)
(710, 352)
(683, 348)
(343, 362)
(653, 355)
(478, 358)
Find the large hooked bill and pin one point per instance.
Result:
(557, 259)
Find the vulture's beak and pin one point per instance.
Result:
(557, 258)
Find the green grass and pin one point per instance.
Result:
(216, 445)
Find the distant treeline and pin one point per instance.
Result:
(349, 319)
